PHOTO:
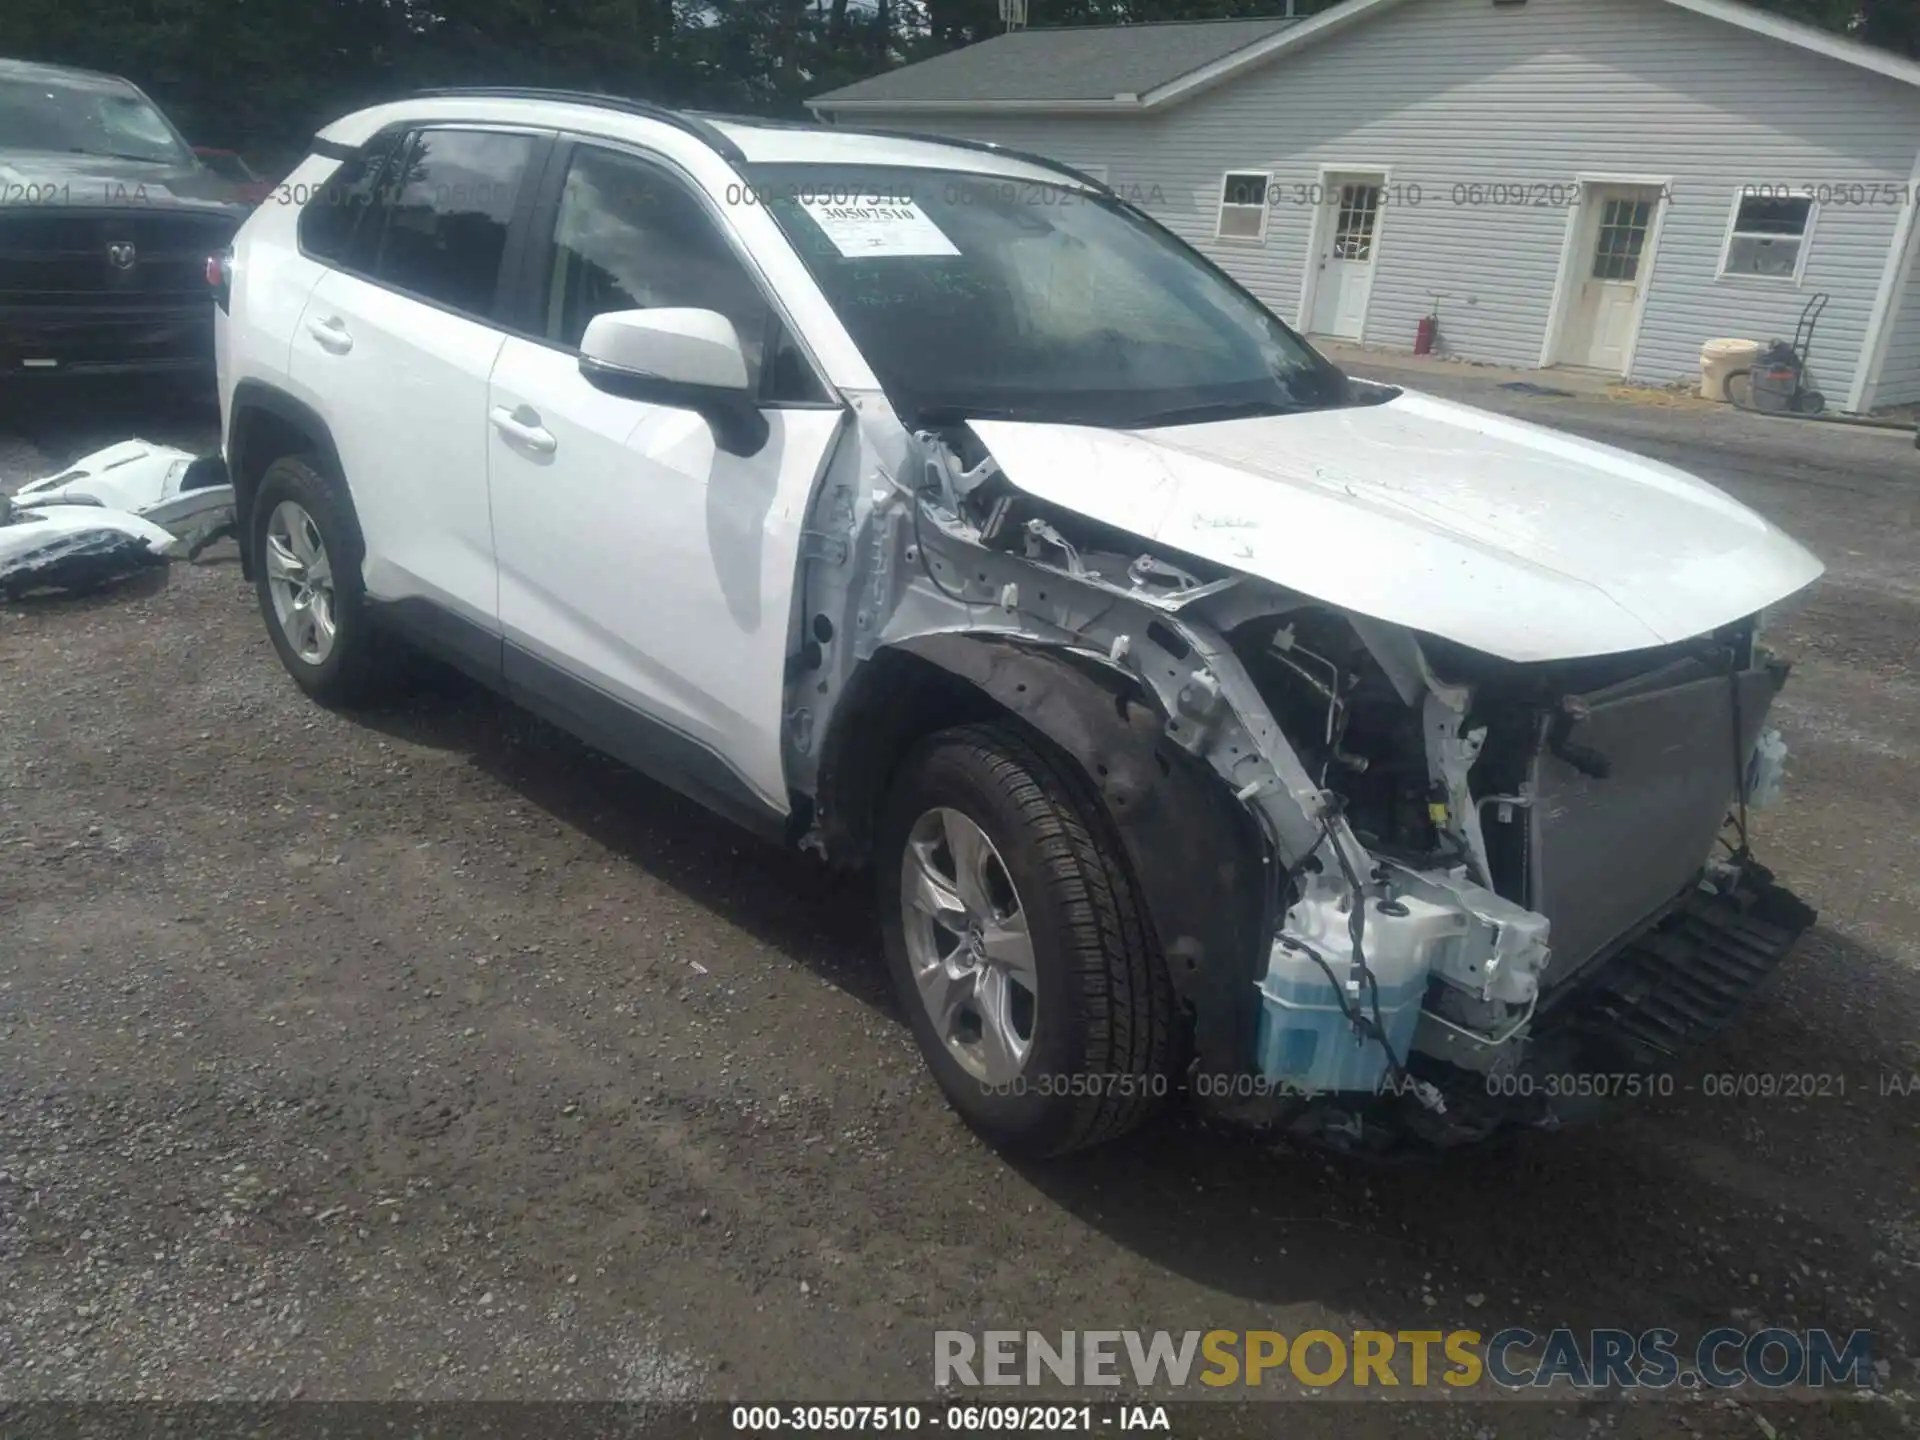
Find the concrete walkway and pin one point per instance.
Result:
(1586, 384)
(1465, 379)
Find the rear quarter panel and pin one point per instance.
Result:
(271, 283)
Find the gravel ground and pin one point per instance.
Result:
(424, 1053)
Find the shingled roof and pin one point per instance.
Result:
(1137, 68)
(1086, 62)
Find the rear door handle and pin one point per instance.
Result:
(523, 425)
(331, 333)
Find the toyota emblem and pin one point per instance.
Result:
(120, 254)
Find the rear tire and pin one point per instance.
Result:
(305, 544)
(1738, 389)
(1090, 1050)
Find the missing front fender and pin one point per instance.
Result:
(1195, 853)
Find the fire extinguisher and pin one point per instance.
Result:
(1426, 335)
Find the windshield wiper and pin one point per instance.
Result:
(1216, 410)
(926, 415)
(1371, 392)
(123, 155)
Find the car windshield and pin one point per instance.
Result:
(975, 295)
(86, 118)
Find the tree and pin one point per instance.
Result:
(1889, 24)
(261, 75)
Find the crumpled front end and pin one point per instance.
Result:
(1460, 868)
(1560, 889)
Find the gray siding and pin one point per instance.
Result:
(1900, 367)
(1445, 93)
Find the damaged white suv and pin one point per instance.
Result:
(1215, 723)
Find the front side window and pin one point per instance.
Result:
(1768, 236)
(452, 201)
(973, 295)
(87, 117)
(630, 237)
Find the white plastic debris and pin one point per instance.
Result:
(1766, 770)
(176, 490)
(109, 513)
(75, 547)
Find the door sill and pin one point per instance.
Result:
(636, 739)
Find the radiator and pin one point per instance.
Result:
(1607, 857)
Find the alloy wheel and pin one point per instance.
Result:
(968, 945)
(300, 579)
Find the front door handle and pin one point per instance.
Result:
(332, 334)
(523, 425)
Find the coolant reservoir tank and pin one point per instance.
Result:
(1307, 1044)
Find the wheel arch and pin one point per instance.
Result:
(265, 424)
(1195, 853)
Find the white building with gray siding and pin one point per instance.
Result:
(1604, 184)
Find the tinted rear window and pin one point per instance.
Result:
(332, 213)
(446, 228)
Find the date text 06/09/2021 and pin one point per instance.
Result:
(1561, 194)
(1470, 194)
(106, 193)
(1206, 1085)
(1626, 1085)
(949, 1419)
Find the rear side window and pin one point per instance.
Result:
(451, 205)
(332, 215)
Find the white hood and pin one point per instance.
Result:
(1517, 540)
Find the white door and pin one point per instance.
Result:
(1605, 305)
(1347, 252)
(405, 389)
(396, 359)
(636, 557)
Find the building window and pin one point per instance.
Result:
(1354, 222)
(1243, 205)
(1623, 234)
(1768, 236)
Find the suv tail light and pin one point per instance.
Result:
(220, 277)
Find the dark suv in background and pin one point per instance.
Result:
(107, 220)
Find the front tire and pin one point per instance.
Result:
(1018, 946)
(306, 549)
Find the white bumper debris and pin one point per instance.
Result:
(75, 547)
(185, 495)
(109, 513)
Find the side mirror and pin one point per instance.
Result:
(686, 359)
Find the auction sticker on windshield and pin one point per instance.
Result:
(897, 227)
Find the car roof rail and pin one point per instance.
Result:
(989, 147)
(770, 123)
(692, 124)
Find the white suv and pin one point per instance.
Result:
(1213, 722)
